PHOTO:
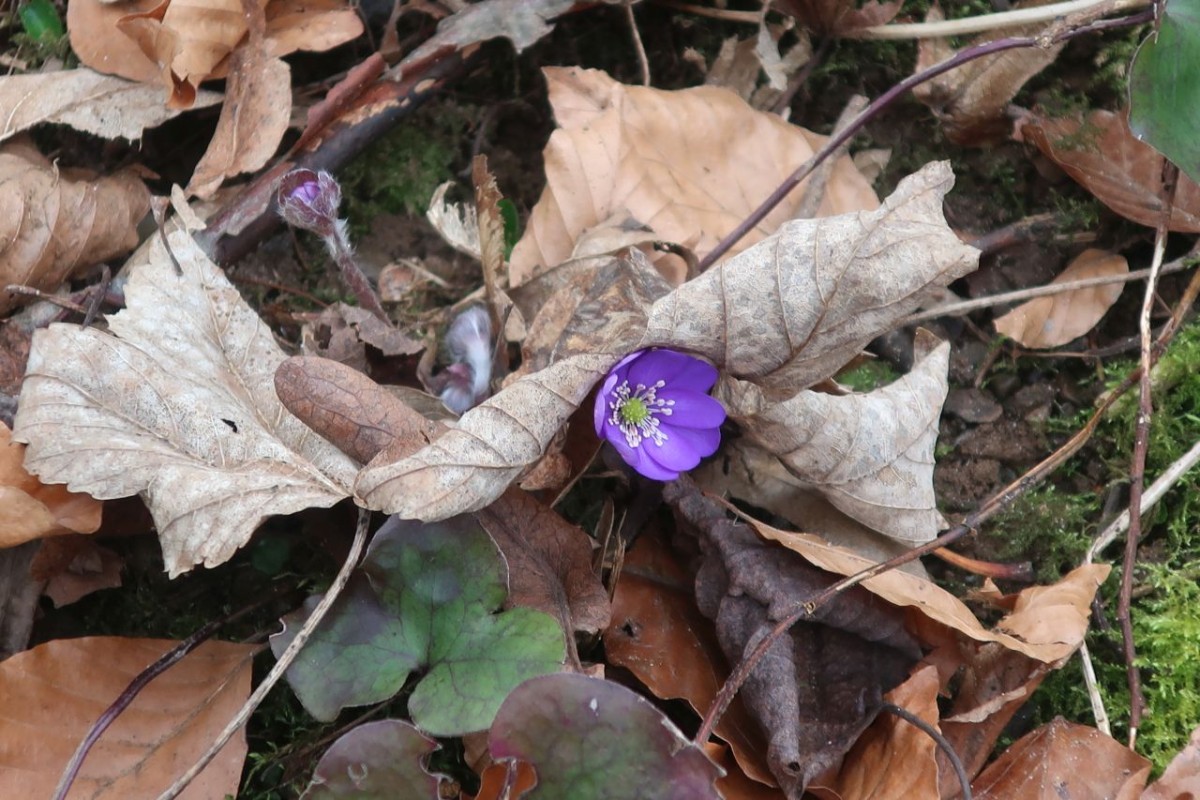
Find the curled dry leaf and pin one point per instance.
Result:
(88, 101)
(870, 455)
(181, 44)
(29, 509)
(1057, 319)
(1101, 153)
(178, 406)
(51, 226)
(971, 100)
(53, 693)
(688, 164)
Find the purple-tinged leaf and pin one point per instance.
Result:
(380, 760)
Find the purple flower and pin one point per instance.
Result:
(655, 410)
(310, 200)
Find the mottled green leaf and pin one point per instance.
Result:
(424, 598)
(380, 760)
(591, 739)
(1164, 87)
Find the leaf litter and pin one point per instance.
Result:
(188, 419)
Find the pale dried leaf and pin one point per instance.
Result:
(471, 464)
(29, 509)
(310, 25)
(688, 164)
(88, 101)
(1055, 640)
(971, 100)
(456, 223)
(1181, 779)
(794, 309)
(96, 41)
(870, 455)
(253, 119)
(52, 694)
(1101, 153)
(179, 406)
(52, 227)
(1057, 319)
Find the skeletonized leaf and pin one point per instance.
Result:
(103, 105)
(798, 306)
(51, 226)
(1055, 320)
(179, 406)
(870, 455)
(1102, 155)
(688, 164)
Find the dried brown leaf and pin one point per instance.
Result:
(659, 635)
(1063, 759)
(870, 455)
(1181, 779)
(74, 567)
(51, 226)
(1101, 153)
(689, 164)
(178, 406)
(88, 101)
(52, 694)
(838, 17)
(1045, 322)
(971, 100)
(30, 509)
(794, 309)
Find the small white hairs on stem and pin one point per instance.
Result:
(470, 373)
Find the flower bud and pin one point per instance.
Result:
(310, 200)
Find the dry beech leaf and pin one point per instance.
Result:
(1057, 319)
(784, 314)
(52, 226)
(254, 117)
(1054, 621)
(88, 101)
(1181, 779)
(181, 43)
(179, 405)
(75, 566)
(894, 758)
(52, 694)
(838, 18)
(795, 308)
(1063, 759)
(29, 509)
(1102, 154)
(688, 164)
(971, 100)
(870, 455)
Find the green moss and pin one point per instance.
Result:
(1050, 528)
(868, 375)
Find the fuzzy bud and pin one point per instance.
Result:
(469, 341)
(310, 200)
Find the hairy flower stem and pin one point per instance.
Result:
(890, 96)
(342, 253)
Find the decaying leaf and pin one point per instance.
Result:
(177, 404)
(870, 455)
(820, 685)
(971, 100)
(75, 566)
(1101, 153)
(180, 44)
(103, 105)
(54, 692)
(839, 17)
(29, 509)
(1057, 319)
(52, 226)
(690, 165)
(1063, 759)
(258, 106)
(1181, 779)
(660, 636)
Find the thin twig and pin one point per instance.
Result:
(285, 660)
(990, 22)
(638, 47)
(933, 733)
(967, 306)
(890, 96)
(135, 687)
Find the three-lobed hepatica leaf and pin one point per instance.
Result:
(1164, 86)
(424, 599)
(379, 760)
(591, 739)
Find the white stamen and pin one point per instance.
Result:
(647, 428)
